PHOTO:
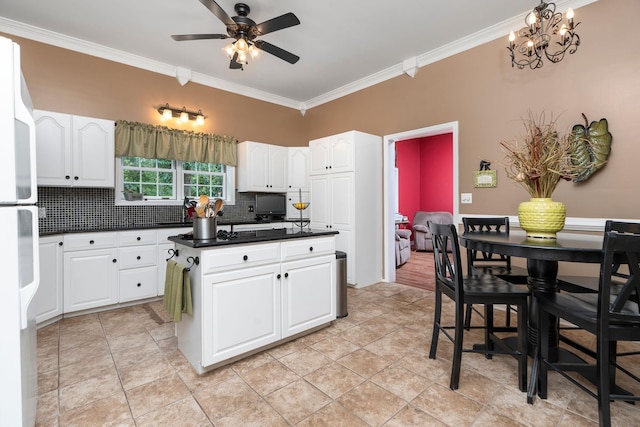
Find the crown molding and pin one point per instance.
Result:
(478, 38)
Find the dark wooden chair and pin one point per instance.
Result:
(479, 262)
(484, 289)
(610, 316)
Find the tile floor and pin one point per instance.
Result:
(123, 368)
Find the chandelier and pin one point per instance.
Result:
(547, 35)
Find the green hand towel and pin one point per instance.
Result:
(177, 293)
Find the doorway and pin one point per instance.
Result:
(390, 185)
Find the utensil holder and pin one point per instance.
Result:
(205, 228)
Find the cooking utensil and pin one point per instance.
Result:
(217, 205)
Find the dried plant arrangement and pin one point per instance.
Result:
(540, 158)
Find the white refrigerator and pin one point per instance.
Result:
(19, 274)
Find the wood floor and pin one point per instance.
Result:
(417, 271)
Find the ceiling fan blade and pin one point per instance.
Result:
(234, 65)
(218, 11)
(284, 21)
(184, 37)
(276, 51)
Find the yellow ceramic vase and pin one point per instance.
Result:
(541, 218)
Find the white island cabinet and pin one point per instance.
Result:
(248, 297)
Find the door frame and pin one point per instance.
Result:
(389, 186)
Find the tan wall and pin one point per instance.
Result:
(477, 88)
(480, 90)
(74, 83)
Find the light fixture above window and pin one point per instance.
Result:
(181, 114)
(547, 35)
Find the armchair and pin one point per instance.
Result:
(421, 233)
(403, 246)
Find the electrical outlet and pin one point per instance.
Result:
(42, 213)
(466, 198)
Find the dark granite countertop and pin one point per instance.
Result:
(242, 237)
(136, 226)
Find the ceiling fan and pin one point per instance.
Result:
(245, 31)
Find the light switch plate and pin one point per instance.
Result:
(466, 198)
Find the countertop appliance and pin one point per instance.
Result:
(19, 231)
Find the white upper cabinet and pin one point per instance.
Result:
(332, 154)
(74, 151)
(262, 167)
(298, 168)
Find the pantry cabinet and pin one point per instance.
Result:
(48, 299)
(74, 151)
(262, 167)
(346, 195)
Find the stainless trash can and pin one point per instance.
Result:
(341, 284)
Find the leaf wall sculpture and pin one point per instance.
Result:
(591, 144)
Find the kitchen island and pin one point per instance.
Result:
(254, 290)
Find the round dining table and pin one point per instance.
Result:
(543, 256)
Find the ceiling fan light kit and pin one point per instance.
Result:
(547, 34)
(182, 114)
(245, 31)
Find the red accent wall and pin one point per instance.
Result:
(425, 174)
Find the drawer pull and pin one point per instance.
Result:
(245, 257)
(311, 249)
(115, 260)
(138, 238)
(139, 284)
(138, 257)
(91, 242)
(59, 243)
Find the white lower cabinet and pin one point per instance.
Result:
(90, 279)
(242, 312)
(308, 294)
(246, 297)
(48, 299)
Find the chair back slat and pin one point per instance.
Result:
(620, 307)
(448, 270)
(483, 258)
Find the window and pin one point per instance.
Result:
(168, 182)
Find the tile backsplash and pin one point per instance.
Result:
(69, 209)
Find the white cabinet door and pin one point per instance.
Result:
(332, 154)
(298, 168)
(320, 198)
(278, 163)
(262, 167)
(308, 294)
(90, 279)
(74, 150)
(243, 312)
(53, 148)
(48, 300)
(93, 152)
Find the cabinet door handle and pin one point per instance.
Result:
(138, 238)
(245, 257)
(138, 257)
(75, 178)
(67, 177)
(286, 275)
(59, 243)
(329, 166)
(278, 276)
(115, 260)
(91, 242)
(311, 249)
